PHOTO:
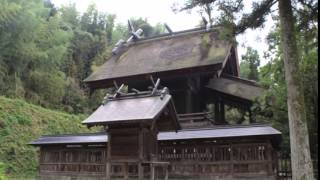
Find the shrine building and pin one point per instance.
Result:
(166, 117)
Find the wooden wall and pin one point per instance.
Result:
(63, 162)
(222, 159)
(219, 158)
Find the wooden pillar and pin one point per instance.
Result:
(269, 158)
(40, 152)
(188, 101)
(141, 144)
(219, 111)
(108, 159)
(231, 159)
(140, 171)
(152, 172)
(189, 95)
(222, 112)
(108, 171)
(251, 117)
(167, 173)
(216, 112)
(126, 173)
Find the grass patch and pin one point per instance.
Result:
(20, 123)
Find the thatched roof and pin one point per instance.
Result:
(181, 51)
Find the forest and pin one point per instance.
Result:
(46, 52)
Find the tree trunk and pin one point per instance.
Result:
(299, 141)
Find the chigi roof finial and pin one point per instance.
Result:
(135, 35)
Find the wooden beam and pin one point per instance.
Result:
(141, 144)
(140, 171)
(222, 112)
(126, 171)
(216, 112)
(108, 162)
(152, 173)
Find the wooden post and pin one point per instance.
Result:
(152, 173)
(108, 171)
(231, 160)
(140, 171)
(108, 158)
(141, 143)
(126, 173)
(188, 101)
(167, 173)
(269, 158)
(222, 112)
(216, 112)
(251, 117)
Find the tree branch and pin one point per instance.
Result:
(256, 18)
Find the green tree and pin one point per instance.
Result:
(148, 29)
(250, 64)
(299, 141)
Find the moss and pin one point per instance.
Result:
(205, 46)
(20, 123)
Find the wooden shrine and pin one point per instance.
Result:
(178, 128)
(133, 122)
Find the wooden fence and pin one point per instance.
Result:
(251, 159)
(284, 169)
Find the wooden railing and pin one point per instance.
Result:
(151, 169)
(284, 169)
(86, 168)
(73, 161)
(213, 159)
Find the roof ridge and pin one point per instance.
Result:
(173, 35)
(241, 79)
(230, 126)
(78, 134)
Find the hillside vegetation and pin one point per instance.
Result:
(20, 123)
(47, 51)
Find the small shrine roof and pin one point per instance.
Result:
(144, 107)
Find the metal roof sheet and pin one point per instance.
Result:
(173, 52)
(242, 88)
(129, 109)
(72, 139)
(222, 132)
(219, 133)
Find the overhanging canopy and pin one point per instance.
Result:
(234, 86)
(72, 139)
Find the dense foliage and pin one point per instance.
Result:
(46, 52)
(272, 75)
(20, 123)
(250, 64)
(231, 14)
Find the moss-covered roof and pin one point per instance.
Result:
(167, 53)
(238, 87)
